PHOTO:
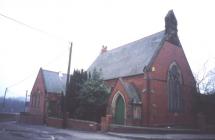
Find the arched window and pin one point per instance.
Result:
(174, 82)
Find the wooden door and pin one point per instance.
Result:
(120, 111)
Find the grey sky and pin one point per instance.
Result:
(89, 25)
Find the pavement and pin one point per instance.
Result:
(164, 136)
(16, 131)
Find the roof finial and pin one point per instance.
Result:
(171, 30)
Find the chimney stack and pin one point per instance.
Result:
(104, 49)
(171, 30)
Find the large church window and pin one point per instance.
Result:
(175, 101)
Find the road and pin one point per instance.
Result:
(14, 131)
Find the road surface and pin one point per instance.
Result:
(15, 131)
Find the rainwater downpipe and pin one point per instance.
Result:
(148, 96)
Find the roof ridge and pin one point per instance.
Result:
(128, 59)
(52, 71)
(133, 41)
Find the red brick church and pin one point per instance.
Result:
(151, 80)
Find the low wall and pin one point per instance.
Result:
(8, 116)
(54, 122)
(82, 125)
(105, 123)
(30, 118)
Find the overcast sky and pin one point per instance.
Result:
(89, 24)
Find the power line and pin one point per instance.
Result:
(32, 73)
(22, 23)
(55, 58)
(38, 30)
(21, 81)
(33, 28)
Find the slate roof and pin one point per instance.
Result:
(129, 59)
(55, 82)
(131, 91)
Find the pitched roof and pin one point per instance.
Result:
(55, 82)
(131, 91)
(129, 59)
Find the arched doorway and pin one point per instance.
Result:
(119, 117)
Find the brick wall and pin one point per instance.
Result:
(8, 116)
(82, 125)
(155, 105)
(73, 124)
(105, 123)
(38, 87)
(30, 118)
(54, 122)
(159, 98)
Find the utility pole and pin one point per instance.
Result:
(66, 90)
(68, 70)
(26, 96)
(3, 104)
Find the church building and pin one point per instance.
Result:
(150, 79)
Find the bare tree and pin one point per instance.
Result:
(205, 79)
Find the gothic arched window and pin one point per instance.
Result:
(174, 82)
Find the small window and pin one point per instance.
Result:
(137, 112)
(32, 100)
(38, 101)
(34, 105)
